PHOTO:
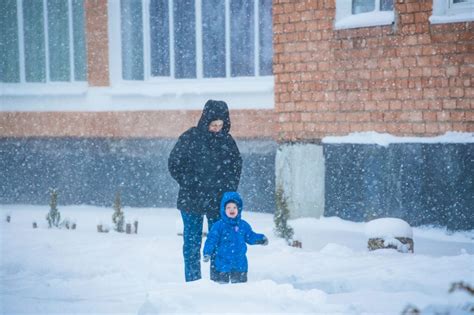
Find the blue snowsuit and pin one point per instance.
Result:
(228, 237)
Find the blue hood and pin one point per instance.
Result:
(231, 196)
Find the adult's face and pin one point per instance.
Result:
(216, 125)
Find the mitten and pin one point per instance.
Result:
(206, 258)
(265, 241)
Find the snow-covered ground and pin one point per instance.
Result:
(52, 271)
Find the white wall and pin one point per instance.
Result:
(300, 171)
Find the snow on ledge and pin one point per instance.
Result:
(368, 19)
(185, 94)
(388, 228)
(455, 18)
(384, 139)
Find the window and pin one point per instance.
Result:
(363, 13)
(452, 11)
(42, 41)
(362, 6)
(195, 39)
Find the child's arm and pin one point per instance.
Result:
(253, 238)
(212, 239)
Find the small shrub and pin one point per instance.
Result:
(118, 218)
(54, 216)
(281, 216)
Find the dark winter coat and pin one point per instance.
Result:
(228, 238)
(206, 164)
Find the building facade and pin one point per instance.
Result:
(94, 93)
(399, 67)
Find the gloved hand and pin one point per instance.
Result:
(265, 241)
(206, 258)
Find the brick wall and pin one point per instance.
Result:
(413, 78)
(97, 42)
(246, 124)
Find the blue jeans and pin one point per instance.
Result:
(192, 240)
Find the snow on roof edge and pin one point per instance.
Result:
(384, 139)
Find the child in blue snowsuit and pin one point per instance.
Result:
(227, 241)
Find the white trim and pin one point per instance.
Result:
(171, 34)
(115, 43)
(146, 39)
(384, 139)
(461, 6)
(198, 29)
(444, 11)
(42, 89)
(256, 47)
(46, 39)
(21, 40)
(227, 39)
(345, 19)
(186, 94)
(71, 43)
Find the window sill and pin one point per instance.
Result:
(368, 19)
(454, 18)
(43, 89)
(163, 94)
(239, 93)
(179, 87)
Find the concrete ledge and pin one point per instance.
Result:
(300, 172)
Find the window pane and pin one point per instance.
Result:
(213, 38)
(184, 38)
(386, 5)
(361, 6)
(461, 1)
(242, 38)
(80, 64)
(159, 38)
(58, 40)
(33, 27)
(132, 39)
(9, 60)
(265, 35)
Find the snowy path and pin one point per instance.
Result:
(85, 272)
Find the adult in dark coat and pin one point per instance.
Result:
(205, 162)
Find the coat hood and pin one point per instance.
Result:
(215, 110)
(235, 197)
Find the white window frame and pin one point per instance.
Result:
(170, 93)
(12, 89)
(121, 95)
(346, 20)
(445, 11)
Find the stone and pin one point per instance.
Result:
(401, 244)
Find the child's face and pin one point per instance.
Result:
(231, 210)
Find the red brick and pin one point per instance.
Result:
(419, 129)
(431, 128)
(468, 93)
(457, 116)
(429, 116)
(423, 72)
